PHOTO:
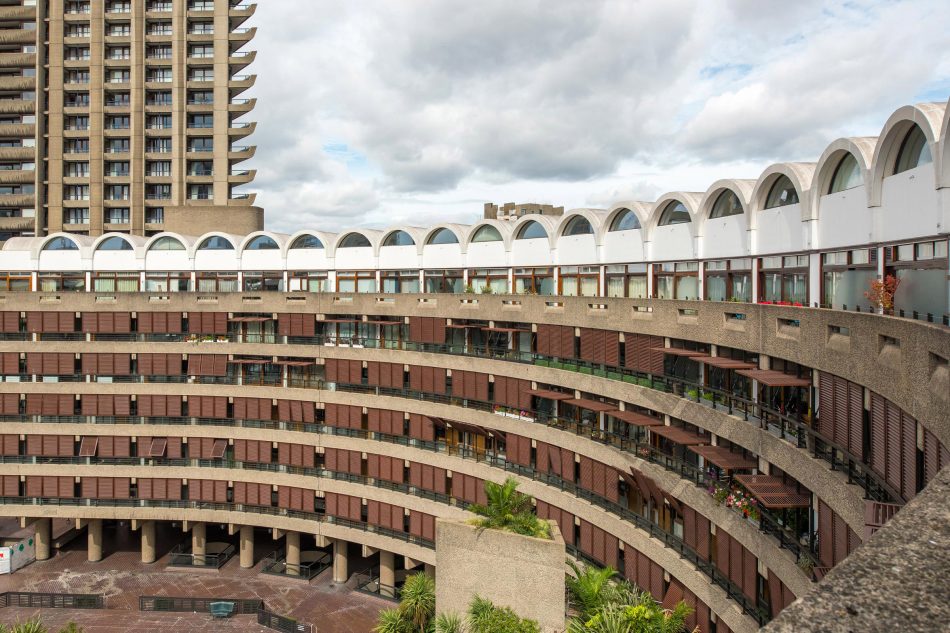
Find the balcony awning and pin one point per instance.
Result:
(591, 405)
(725, 458)
(249, 319)
(773, 492)
(635, 418)
(679, 435)
(550, 395)
(295, 363)
(218, 449)
(771, 378)
(504, 329)
(727, 363)
(157, 447)
(676, 351)
(381, 322)
(338, 321)
(250, 361)
(88, 446)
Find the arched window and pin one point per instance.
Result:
(674, 213)
(216, 243)
(579, 225)
(726, 204)
(61, 244)
(914, 151)
(443, 236)
(399, 238)
(166, 244)
(354, 240)
(306, 241)
(531, 231)
(847, 175)
(487, 233)
(626, 220)
(114, 244)
(782, 193)
(262, 243)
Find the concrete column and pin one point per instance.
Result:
(198, 543)
(148, 541)
(94, 537)
(340, 572)
(430, 570)
(247, 546)
(293, 553)
(387, 569)
(43, 538)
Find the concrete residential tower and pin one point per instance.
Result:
(122, 116)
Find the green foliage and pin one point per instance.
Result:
(35, 625)
(392, 621)
(485, 617)
(416, 608)
(507, 509)
(602, 604)
(449, 623)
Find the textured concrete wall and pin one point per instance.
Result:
(524, 573)
(896, 581)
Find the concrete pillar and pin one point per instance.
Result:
(430, 570)
(293, 553)
(148, 541)
(387, 569)
(247, 546)
(340, 572)
(94, 537)
(43, 538)
(199, 541)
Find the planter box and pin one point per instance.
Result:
(521, 572)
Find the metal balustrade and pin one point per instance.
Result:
(796, 430)
(619, 510)
(52, 600)
(276, 564)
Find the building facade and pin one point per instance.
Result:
(695, 390)
(511, 211)
(123, 116)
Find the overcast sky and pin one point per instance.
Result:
(409, 111)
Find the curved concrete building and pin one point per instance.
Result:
(696, 390)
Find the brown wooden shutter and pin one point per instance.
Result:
(10, 363)
(421, 427)
(160, 322)
(9, 322)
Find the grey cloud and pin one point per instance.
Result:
(442, 96)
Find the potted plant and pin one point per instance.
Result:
(881, 293)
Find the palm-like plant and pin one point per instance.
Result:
(508, 509)
(588, 588)
(417, 601)
(35, 625)
(448, 623)
(390, 621)
(604, 604)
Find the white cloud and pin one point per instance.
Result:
(440, 106)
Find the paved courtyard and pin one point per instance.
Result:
(122, 578)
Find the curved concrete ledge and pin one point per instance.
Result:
(812, 473)
(318, 484)
(896, 581)
(900, 383)
(781, 561)
(270, 521)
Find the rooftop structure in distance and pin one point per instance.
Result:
(512, 211)
(123, 116)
